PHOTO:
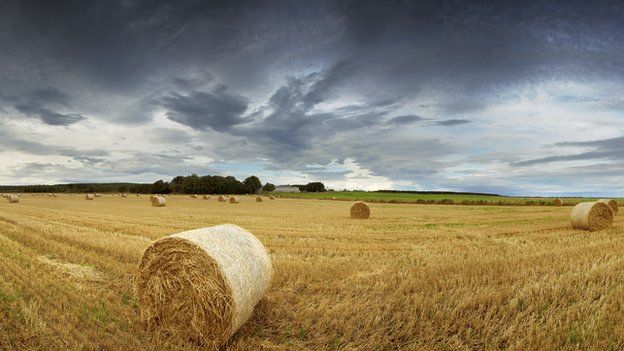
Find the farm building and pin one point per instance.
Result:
(287, 189)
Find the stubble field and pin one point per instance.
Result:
(412, 277)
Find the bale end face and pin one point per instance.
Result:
(591, 216)
(221, 198)
(258, 199)
(360, 210)
(234, 200)
(558, 202)
(612, 204)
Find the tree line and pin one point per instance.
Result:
(191, 184)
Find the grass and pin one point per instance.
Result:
(392, 197)
(412, 277)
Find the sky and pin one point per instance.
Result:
(491, 96)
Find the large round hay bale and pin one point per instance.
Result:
(258, 199)
(360, 210)
(558, 202)
(206, 197)
(13, 199)
(271, 197)
(221, 198)
(202, 284)
(234, 200)
(591, 216)
(89, 196)
(158, 201)
(193, 196)
(612, 204)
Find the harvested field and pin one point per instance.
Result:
(412, 277)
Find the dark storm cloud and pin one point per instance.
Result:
(612, 148)
(50, 95)
(34, 110)
(406, 119)
(202, 110)
(452, 122)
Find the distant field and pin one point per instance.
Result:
(414, 198)
(412, 277)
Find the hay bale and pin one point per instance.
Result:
(13, 199)
(193, 196)
(360, 210)
(258, 199)
(558, 202)
(591, 216)
(206, 197)
(202, 284)
(612, 204)
(234, 200)
(221, 198)
(89, 196)
(158, 201)
(271, 197)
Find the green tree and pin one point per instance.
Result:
(314, 187)
(268, 187)
(253, 184)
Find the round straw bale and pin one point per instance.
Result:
(89, 196)
(272, 197)
(13, 199)
(612, 204)
(194, 196)
(206, 197)
(591, 216)
(360, 210)
(158, 201)
(221, 198)
(558, 202)
(202, 284)
(234, 200)
(258, 199)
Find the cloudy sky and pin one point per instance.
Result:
(463, 96)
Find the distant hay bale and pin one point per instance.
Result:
(13, 199)
(272, 197)
(202, 284)
(194, 196)
(158, 201)
(138, 195)
(360, 210)
(206, 197)
(558, 202)
(98, 195)
(258, 199)
(612, 204)
(221, 198)
(591, 216)
(234, 200)
(89, 196)
(124, 195)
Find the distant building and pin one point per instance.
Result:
(287, 189)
